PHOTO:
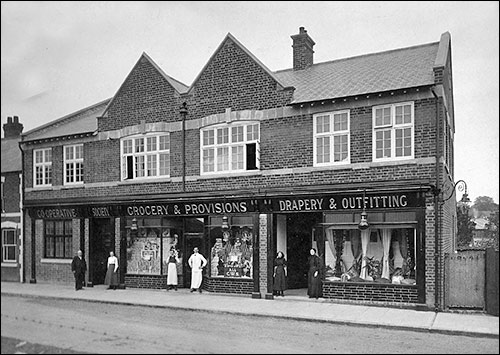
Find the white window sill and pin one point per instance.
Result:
(10, 264)
(56, 261)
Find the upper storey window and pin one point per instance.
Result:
(230, 148)
(331, 138)
(73, 164)
(393, 132)
(146, 156)
(42, 169)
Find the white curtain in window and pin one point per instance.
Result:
(365, 238)
(386, 243)
(331, 243)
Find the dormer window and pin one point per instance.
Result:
(230, 147)
(145, 156)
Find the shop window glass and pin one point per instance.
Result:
(231, 253)
(58, 239)
(148, 248)
(385, 255)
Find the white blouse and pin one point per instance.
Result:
(113, 260)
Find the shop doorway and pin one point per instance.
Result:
(298, 231)
(192, 240)
(102, 241)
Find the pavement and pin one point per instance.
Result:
(298, 307)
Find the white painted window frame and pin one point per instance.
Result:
(75, 161)
(392, 127)
(157, 152)
(330, 135)
(44, 165)
(229, 145)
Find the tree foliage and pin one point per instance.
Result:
(465, 226)
(485, 203)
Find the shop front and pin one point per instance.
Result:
(372, 244)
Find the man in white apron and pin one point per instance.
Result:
(197, 262)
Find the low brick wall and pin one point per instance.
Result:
(370, 292)
(228, 285)
(149, 281)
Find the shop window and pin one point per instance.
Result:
(230, 148)
(148, 247)
(42, 167)
(231, 253)
(145, 156)
(331, 138)
(58, 239)
(385, 255)
(393, 132)
(9, 246)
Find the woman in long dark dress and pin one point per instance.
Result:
(111, 278)
(314, 275)
(279, 274)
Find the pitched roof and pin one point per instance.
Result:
(11, 155)
(365, 74)
(81, 121)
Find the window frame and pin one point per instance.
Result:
(9, 245)
(392, 127)
(235, 142)
(330, 134)
(53, 239)
(44, 165)
(141, 155)
(75, 161)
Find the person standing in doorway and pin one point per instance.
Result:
(280, 271)
(79, 267)
(173, 259)
(314, 275)
(111, 275)
(197, 262)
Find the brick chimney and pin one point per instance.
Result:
(302, 50)
(12, 128)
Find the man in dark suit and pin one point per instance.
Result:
(79, 267)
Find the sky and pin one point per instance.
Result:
(60, 57)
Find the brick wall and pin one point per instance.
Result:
(225, 285)
(11, 190)
(233, 79)
(371, 292)
(145, 95)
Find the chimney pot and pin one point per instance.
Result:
(16, 119)
(9, 119)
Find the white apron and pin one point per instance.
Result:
(172, 274)
(196, 262)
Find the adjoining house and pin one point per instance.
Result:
(11, 192)
(349, 156)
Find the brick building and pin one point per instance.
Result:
(12, 221)
(245, 162)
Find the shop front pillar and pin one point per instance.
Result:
(265, 229)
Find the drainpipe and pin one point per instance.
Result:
(23, 211)
(437, 211)
(183, 112)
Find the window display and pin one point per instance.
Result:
(149, 246)
(385, 255)
(231, 254)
